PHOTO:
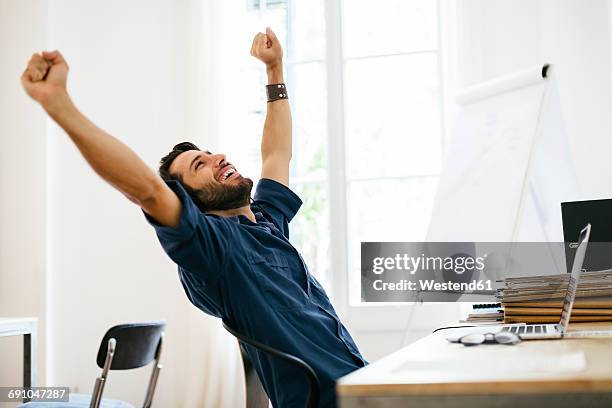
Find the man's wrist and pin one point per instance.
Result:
(275, 73)
(56, 103)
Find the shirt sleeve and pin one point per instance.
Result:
(199, 243)
(279, 203)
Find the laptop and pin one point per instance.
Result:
(555, 331)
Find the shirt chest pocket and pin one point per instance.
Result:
(281, 287)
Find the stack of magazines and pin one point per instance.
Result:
(539, 299)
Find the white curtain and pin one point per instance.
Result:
(213, 373)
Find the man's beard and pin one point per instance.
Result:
(220, 197)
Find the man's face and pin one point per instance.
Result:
(215, 182)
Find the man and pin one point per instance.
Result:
(234, 258)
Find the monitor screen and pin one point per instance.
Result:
(576, 214)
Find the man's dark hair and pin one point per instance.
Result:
(166, 161)
(166, 175)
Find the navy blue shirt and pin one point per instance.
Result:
(251, 276)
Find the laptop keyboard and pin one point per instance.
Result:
(527, 329)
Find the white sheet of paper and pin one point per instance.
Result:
(508, 363)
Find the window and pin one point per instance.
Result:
(392, 116)
(388, 150)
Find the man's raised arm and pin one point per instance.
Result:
(276, 140)
(45, 81)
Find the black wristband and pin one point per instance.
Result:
(276, 92)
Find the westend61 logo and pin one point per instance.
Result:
(458, 271)
(432, 271)
(458, 264)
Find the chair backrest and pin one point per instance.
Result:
(128, 346)
(136, 344)
(313, 381)
(256, 396)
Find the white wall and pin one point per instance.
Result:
(138, 69)
(133, 72)
(504, 36)
(130, 72)
(23, 30)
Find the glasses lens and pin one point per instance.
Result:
(472, 339)
(507, 338)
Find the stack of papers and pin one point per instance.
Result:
(539, 299)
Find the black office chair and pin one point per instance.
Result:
(254, 387)
(123, 347)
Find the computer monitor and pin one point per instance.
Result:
(576, 214)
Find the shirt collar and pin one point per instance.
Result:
(243, 219)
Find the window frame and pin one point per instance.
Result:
(382, 316)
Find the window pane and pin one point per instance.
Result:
(386, 210)
(310, 229)
(274, 16)
(257, 4)
(241, 99)
(307, 91)
(389, 26)
(392, 111)
(307, 30)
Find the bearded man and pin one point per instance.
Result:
(234, 257)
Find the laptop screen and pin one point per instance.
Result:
(572, 285)
(577, 214)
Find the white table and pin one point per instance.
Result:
(26, 327)
(574, 372)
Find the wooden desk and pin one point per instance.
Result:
(25, 327)
(435, 373)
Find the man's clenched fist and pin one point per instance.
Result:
(267, 49)
(44, 79)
